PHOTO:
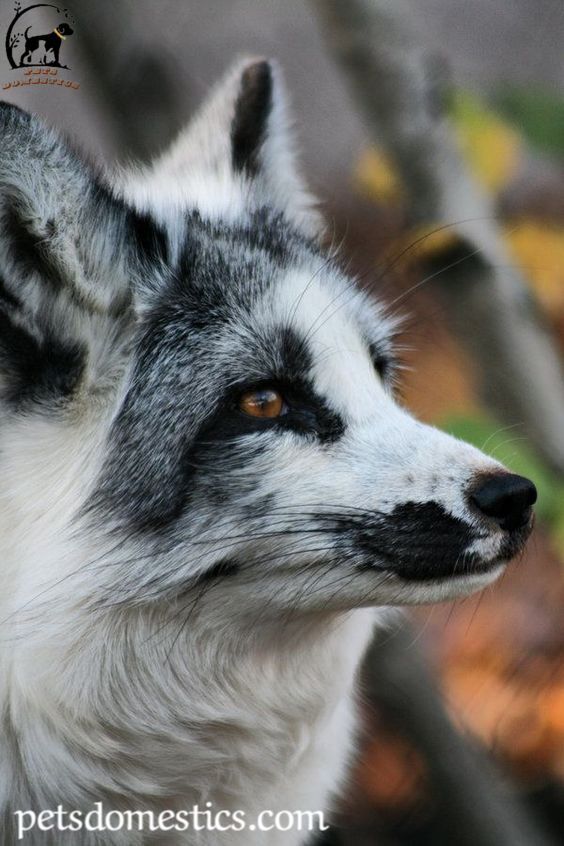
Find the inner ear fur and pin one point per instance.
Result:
(250, 122)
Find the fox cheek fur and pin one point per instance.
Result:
(183, 583)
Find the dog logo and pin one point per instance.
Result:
(36, 36)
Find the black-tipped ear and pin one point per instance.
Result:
(237, 153)
(250, 121)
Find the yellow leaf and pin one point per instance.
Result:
(491, 147)
(539, 251)
(378, 178)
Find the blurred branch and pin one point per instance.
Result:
(402, 94)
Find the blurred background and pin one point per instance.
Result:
(463, 703)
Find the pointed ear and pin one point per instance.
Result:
(65, 268)
(238, 152)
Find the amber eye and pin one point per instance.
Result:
(264, 402)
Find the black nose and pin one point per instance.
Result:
(505, 497)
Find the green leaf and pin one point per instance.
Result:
(538, 114)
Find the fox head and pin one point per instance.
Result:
(192, 386)
(197, 405)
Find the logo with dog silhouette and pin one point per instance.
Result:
(37, 34)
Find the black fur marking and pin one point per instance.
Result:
(416, 541)
(37, 370)
(7, 296)
(30, 249)
(262, 231)
(149, 237)
(272, 234)
(221, 570)
(252, 110)
(11, 107)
